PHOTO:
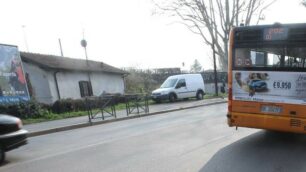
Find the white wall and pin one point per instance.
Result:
(68, 83)
(39, 81)
(210, 88)
(52, 86)
(44, 85)
(110, 83)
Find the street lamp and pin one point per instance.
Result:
(84, 45)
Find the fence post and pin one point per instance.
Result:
(89, 112)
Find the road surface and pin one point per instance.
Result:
(189, 140)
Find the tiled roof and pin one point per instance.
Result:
(66, 63)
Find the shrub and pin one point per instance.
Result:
(74, 105)
(30, 109)
(63, 105)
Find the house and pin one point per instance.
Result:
(50, 78)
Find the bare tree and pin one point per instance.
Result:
(213, 19)
(140, 81)
(196, 67)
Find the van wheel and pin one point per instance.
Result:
(2, 155)
(199, 95)
(172, 97)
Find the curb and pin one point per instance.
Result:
(82, 125)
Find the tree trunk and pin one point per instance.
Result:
(225, 67)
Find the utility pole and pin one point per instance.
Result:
(215, 69)
(25, 37)
(215, 66)
(60, 45)
(84, 45)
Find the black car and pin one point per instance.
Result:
(11, 134)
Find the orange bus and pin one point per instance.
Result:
(267, 77)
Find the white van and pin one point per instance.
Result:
(180, 87)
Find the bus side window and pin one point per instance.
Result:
(273, 60)
(242, 58)
(238, 61)
(247, 62)
(259, 58)
(303, 63)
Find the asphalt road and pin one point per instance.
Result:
(189, 140)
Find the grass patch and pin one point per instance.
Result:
(54, 116)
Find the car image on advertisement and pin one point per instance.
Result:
(258, 85)
(12, 135)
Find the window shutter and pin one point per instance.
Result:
(81, 89)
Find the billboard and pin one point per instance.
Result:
(264, 86)
(13, 85)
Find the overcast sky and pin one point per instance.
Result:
(121, 33)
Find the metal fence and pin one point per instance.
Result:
(98, 107)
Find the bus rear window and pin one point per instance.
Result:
(270, 57)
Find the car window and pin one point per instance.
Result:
(168, 83)
(181, 83)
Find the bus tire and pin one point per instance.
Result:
(2, 155)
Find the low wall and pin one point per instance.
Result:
(210, 88)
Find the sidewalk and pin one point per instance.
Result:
(78, 122)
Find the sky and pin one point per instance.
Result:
(120, 33)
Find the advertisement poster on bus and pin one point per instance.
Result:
(277, 87)
(13, 85)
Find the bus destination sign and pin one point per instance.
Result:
(272, 34)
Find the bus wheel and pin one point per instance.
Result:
(2, 155)
(199, 95)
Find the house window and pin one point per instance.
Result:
(85, 88)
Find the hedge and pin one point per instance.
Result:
(74, 105)
(30, 109)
